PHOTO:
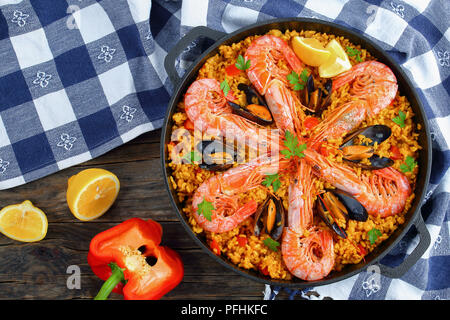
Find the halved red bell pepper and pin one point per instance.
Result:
(120, 255)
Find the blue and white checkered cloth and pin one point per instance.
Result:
(81, 77)
(77, 79)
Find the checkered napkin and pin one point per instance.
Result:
(77, 79)
(416, 34)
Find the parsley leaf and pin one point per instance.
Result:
(192, 157)
(294, 149)
(274, 180)
(373, 235)
(272, 244)
(297, 81)
(241, 64)
(354, 53)
(409, 164)
(225, 87)
(205, 208)
(400, 120)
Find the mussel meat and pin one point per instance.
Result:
(353, 153)
(256, 109)
(270, 218)
(316, 99)
(336, 205)
(217, 156)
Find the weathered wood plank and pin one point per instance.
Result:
(38, 270)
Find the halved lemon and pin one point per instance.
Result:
(23, 222)
(337, 63)
(91, 193)
(310, 51)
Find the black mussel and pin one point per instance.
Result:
(252, 96)
(355, 210)
(256, 108)
(316, 99)
(336, 205)
(357, 152)
(329, 209)
(216, 156)
(376, 133)
(326, 210)
(376, 162)
(270, 218)
(253, 112)
(353, 153)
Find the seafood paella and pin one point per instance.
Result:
(294, 153)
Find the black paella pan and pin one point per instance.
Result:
(412, 217)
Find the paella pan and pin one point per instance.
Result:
(291, 167)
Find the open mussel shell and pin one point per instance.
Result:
(377, 133)
(315, 99)
(353, 153)
(376, 162)
(252, 96)
(256, 109)
(270, 218)
(253, 112)
(355, 210)
(216, 156)
(326, 203)
(337, 204)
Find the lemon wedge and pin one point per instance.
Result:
(310, 51)
(23, 222)
(337, 63)
(91, 193)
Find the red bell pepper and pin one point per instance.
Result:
(232, 71)
(396, 154)
(189, 125)
(310, 122)
(242, 240)
(130, 259)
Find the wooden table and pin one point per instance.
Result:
(39, 270)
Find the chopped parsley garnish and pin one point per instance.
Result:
(373, 235)
(409, 164)
(272, 244)
(354, 53)
(192, 157)
(297, 81)
(241, 64)
(274, 180)
(205, 208)
(225, 87)
(400, 120)
(294, 149)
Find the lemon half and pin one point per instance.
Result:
(23, 222)
(91, 193)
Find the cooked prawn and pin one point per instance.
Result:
(384, 193)
(340, 121)
(375, 87)
(207, 108)
(307, 251)
(264, 54)
(308, 258)
(223, 190)
(301, 196)
(270, 80)
(371, 81)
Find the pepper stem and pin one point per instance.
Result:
(116, 277)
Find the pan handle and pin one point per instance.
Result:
(419, 250)
(193, 34)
